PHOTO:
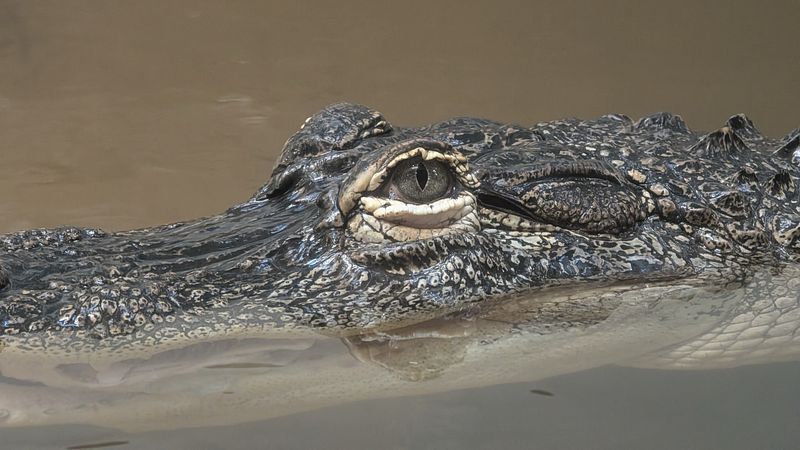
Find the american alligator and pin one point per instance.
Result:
(463, 253)
(365, 227)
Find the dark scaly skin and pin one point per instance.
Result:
(567, 203)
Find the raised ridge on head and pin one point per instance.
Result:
(781, 185)
(791, 148)
(723, 142)
(662, 121)
(743, 126)
(746, 176)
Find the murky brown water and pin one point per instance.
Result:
(136, 113)
(128, 114)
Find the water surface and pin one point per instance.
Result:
(129, 114)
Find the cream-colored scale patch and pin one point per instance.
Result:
(385, 220)
(526, 240)
(494, 219)
(637, 176)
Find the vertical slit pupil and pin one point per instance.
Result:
(422, 176)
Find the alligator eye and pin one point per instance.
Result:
(419, 181)
(412, 190)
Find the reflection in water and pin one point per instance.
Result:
(151, 112)
(238, 380)
(97, 445)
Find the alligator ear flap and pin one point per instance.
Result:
(337, 127)
(791, 148)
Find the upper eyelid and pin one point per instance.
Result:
(563, 169)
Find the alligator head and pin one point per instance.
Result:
(365, 227)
